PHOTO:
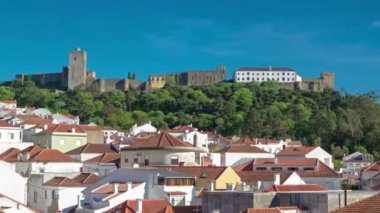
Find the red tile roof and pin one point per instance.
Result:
(105, 158)
(159, 141)
(10, 155)
(289, 151)
(50, 155)
(285, 162)
(368, 205)
(148, 206)
(181, 129)
(255, 176)
(5, 124)
(373, 167)
(243, 148)
(295, 188)
(271, 210)
(81, 180)
(108, 188)
(38, 154)
(92, 148)
(37, 121)
(63, 128)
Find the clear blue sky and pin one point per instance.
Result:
(152, 37)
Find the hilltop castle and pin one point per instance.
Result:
(76, 74)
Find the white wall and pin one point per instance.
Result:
(100, 169)
(231, 158)
(27, 168)
(189, 190)
(10, 134)
(261, 76)
(12, 184)
(322, 155)
(202, 139)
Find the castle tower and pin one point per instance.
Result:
(77, 73)
(328, 79)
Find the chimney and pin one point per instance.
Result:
(78, 200)
(115, 188)
(211, 186)
(195, 140)
(277, 179)
(73, 130)
(128, 186)
(139, 206)
(45, 126)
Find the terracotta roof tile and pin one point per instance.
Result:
(295, 188)
(5, 124)
(271, 210)
(285, 162)
(254, 176)
(63, 128)
(10, 155)
(296, 151)
(37, 121)
(373, 167)
(181, 129)
(243, 148)
(81, 180)
(159, 141)
(92, 148)
(108, 188)
(105, 158)
(368, 205)
(50, 155)
(148, 206)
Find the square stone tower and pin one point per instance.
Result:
(77, 70)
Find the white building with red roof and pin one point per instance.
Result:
(37, 160)
(9, 205)
(307, 152)
(145, 128)
(162, 149)
(8, 104)
(370, 177)
(103, 164)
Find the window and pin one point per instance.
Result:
(62, 142)
(238, 79)
(261, 168)
(248, 78)
(126, 160)
(174, 159)
(177, 200)
(276, 168)
(45, 194)
(242, 79)
(11, 135)
(78, 142)
(247, 73)
(283, 79)
(293, 169)
(308, 169)
(146, 161)
(135, 159)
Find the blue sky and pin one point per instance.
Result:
(152, 37)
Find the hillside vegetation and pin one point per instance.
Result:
(337, 121)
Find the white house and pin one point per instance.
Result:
(311, 171)
(13, 184)
(307, 152)
(65, 119)
(36, 160)
(233, 153)
(262, 74)
(10, 133)
(142, 183)
(59, 193)
(197, 139)
(8, 104)
(162, 149)
(148, 127)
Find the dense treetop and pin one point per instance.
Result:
(337, 121)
